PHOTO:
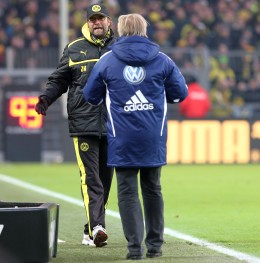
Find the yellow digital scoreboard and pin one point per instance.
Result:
(21, 113)
(22, 125)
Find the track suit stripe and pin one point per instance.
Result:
(84, 187)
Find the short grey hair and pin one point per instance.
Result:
(132, 25)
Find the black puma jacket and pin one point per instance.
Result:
(75, 66)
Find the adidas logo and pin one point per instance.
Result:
(138, 102)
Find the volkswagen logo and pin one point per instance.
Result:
(134, 75)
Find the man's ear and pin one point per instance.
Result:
(110, 20)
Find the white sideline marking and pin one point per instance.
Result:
(170, 232)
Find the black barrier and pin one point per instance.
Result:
(28, 232)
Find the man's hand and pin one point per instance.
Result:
(42, 105)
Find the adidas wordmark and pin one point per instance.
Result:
(138, 102)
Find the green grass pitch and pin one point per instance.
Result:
(217, 203)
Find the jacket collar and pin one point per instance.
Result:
(86, 33)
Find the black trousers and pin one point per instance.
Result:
(131, 211)
(96, 178)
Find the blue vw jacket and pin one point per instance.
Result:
(136, 80)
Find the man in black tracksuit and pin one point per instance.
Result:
(87, 123)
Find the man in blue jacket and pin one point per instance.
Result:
(137, 80)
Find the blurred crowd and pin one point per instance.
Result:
(225, 28)
(182, 23)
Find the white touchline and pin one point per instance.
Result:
(227, 251)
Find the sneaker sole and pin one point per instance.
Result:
(86, 243)
(100, 239)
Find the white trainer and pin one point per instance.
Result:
(99, 236)
(87, 241)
